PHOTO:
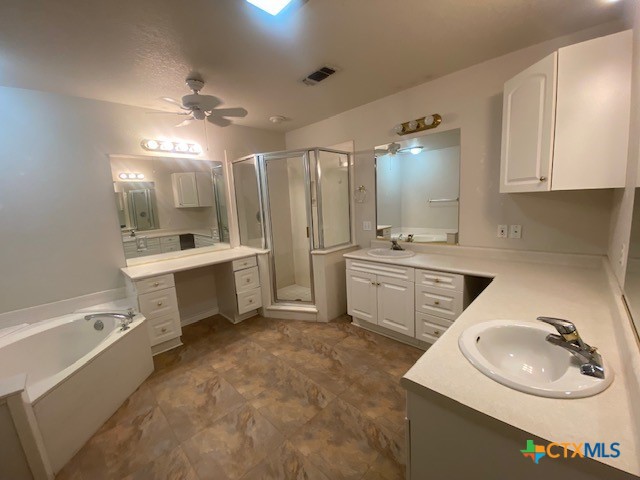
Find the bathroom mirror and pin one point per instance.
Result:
(632, 279)
(168, 204)
(418, 188)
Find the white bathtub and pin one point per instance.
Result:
(77, 376)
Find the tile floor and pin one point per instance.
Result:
(265, 399)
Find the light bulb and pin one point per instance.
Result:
(415, 150)
(412, 125)
(195, 148)
(140, 176)
(428, 120)
(131, 176)
(182, 147)
(166, 146)
(151, 144)
(123, 176)
(398, 128)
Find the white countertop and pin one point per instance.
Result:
(523, 290)
(205, 232)
(161, 267)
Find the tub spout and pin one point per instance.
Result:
(125, 318)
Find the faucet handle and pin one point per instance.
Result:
(564, 327)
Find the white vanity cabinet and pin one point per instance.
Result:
(565, 120)
(192, 189)
(381, 294)
(420, 304)
(239, 290)
(158, 302)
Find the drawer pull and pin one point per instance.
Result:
(436, 333)
(163, 329)
(248, 280)
(436, 280)
(251, 300)
(437, 302)
(159, 304)
(156, 284)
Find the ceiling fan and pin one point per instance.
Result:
(201, 107)
(391, 149)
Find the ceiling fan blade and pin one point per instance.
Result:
(208, 102)
(173, 102)
(170, 113)
(219, 121)
(186, 122)
(230, 112)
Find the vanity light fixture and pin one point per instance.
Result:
(167, 146)
(412, 150)
(272, 7)
(131, 176)
(418, 125)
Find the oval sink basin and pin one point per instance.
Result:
(517, 355)
(388, 253)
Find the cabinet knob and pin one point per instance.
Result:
(543, 179)
(436, 280)
(436, 333)
(248, 280)
(250, 300)
(163, 329)
(437, 302)
(159, 304)
(373, 283)
(155, 284)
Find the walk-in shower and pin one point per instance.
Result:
(293, 203)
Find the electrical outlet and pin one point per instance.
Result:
(515, 231)
(366, 226)
(502, 231)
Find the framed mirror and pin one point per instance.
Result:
(632, 278)
(418, 188)
(169, 205)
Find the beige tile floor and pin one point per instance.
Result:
(265, 399)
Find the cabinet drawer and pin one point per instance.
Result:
(448, 281)
(393, 271)
(438, 302)
(163, 328)
(154, 283)
(244, 263)
(202, 241)
(249, 300)
(429, 328)
(247, 279)
(157, 304)
(171, 247)
(171, 240)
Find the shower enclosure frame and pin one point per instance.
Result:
(265, 210)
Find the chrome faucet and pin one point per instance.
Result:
(125, 318)
(570, 340)
(395, 245)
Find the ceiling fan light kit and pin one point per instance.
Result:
(418, 125)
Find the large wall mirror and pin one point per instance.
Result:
(169, 204)
(632, 279)
(418, 188)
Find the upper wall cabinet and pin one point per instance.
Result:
(565, 120)
(192, 189)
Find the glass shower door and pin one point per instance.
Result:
(289, 227)
(247, 189)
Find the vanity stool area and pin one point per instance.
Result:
(238, 291)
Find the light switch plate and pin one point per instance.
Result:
(366, 226)
(502, 231)
(515, 231)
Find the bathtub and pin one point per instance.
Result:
(77, 376)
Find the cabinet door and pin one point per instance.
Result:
(528, 122)
(361, 295)
(592, 113)
(185, 191)
(395, 305)
(204, 184)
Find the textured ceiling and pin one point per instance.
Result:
(134, 51)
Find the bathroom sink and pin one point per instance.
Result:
(388, 253)
(517, 355)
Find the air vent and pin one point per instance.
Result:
(319, 75)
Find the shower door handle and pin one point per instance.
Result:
(307, 232)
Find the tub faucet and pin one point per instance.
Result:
(570, 340)
(125, 318)
(395, 245)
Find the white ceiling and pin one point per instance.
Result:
(134, 51)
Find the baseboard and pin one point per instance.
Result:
(414, 342)
(62, 307)
(196, 317)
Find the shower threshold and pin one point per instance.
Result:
(294, 293)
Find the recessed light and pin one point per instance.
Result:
(272, 7)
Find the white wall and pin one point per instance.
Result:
(58, 224)
(623, 198)
(471, 100)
